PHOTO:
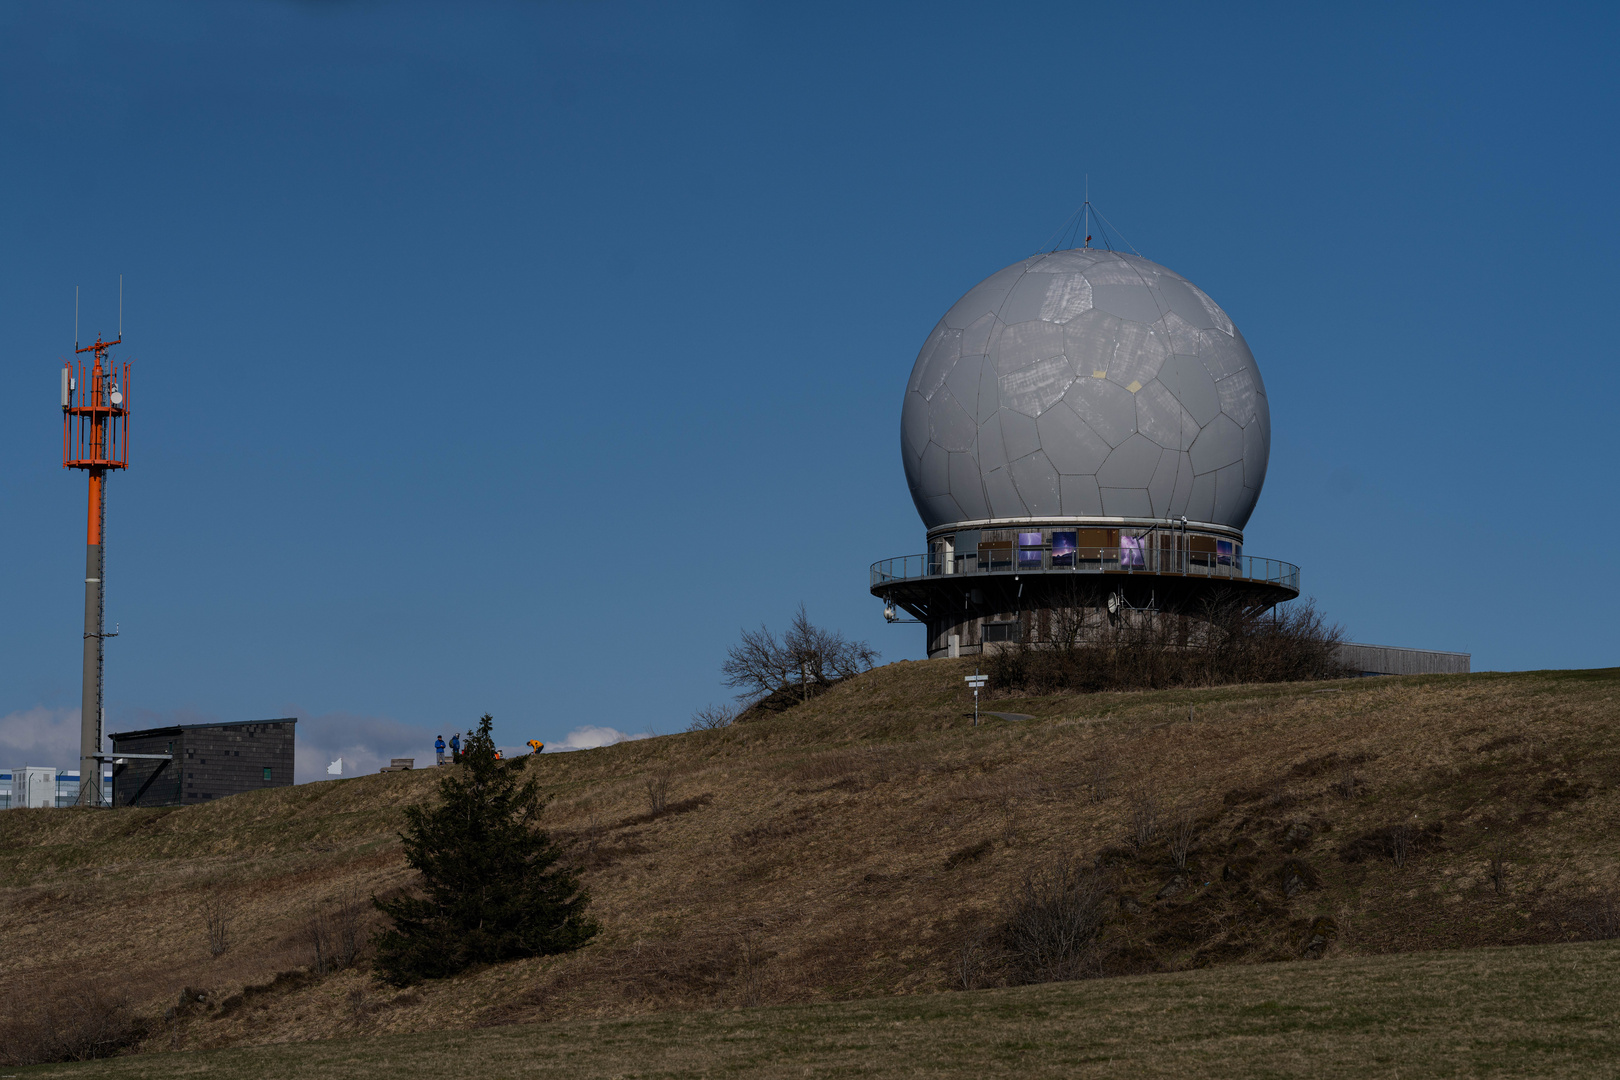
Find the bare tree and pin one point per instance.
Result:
(1345, 785)
(592, 836)
(1602, 917)
(1144, 820)
(751, 970)
(216, 917)
(1400, 844)
(657, 792)
(757, 665)
(1498, 870)
(1183, 829)
(1100, 772)
(970, 958)
(826, 655)
(805, 656)
(713, 718)
(337, 935)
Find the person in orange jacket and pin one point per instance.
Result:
(535, 746)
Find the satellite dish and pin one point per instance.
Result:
(1113, 603)
(117, 397)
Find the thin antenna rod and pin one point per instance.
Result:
(75, 316)
(1088, 210)
(120, 307)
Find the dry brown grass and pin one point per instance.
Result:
(820, 855)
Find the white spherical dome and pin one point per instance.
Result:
(1085, 383)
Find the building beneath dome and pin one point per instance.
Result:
(1085, 435)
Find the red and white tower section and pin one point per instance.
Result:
(95, 438)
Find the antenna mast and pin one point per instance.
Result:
(1087, 209)
(95, 438)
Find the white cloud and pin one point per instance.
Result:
(44, 736)
(589, 738)
(40, 736)
(365, 743)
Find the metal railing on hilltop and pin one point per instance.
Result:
(1142, 560)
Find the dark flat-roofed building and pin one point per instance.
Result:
(206, 761)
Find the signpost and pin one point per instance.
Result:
(976, 681)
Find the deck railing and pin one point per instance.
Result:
(1143, 560)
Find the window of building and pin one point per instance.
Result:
(995, 555)
(1003, 628)
(1094, 545)
(267, 772)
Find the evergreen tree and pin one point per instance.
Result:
(493, 889)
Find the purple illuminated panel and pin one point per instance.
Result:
(1131, 549)
(1225, 553)
(1063, 548)
(1029, 551)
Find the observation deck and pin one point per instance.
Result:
(932, 585)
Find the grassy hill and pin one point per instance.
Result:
(1540, 1010)
(852, 846)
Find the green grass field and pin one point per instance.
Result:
(1531, 1011)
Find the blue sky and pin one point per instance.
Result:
(510, 357)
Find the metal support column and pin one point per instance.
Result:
(90, 700)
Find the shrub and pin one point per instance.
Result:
(494, 885)
(1226, 642)
(713, 718)
(971, 956)
(1398, 843)
(217, 920)
(657, 786)
(336, 935)
(1098, 774)
(1053, 922)
(1183, 830)
(1144, 820)
(70, 1020)
(1497, 870)
(1600, 917)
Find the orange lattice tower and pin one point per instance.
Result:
(95, 438)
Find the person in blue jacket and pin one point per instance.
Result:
(438, 748)
(455, 748)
